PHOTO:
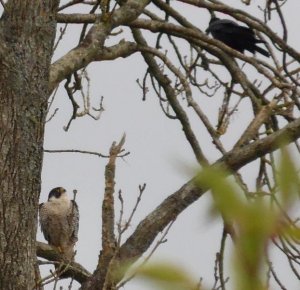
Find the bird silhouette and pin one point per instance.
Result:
(238, 37)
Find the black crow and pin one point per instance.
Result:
(237, 37)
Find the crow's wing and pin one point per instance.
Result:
(230, 28)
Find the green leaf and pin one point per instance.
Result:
(226, 198)
(167, 277)
(288, 180)
(253, 221)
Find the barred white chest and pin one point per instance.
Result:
(60, 207)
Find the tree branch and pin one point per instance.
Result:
(176, 203)
(170, 93)
(214, 47)
(73, 270)
(90, 48)
(77, 18)
(103, 276)
(248, 19)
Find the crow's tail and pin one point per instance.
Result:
(259, 41)
(262, 51)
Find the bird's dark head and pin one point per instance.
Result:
(56, 192)
(213, 19)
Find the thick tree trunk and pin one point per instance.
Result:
(27, 31)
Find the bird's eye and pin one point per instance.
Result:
(57, 194)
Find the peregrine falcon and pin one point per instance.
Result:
(59, 218)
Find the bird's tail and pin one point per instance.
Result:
(259, 41)
(262, 51)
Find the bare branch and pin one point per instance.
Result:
(84, 152)
(164, 82)
(248, 19)
(103, 276)
(77, 18)
(108, 215)
(171, 207)
(74, 269)
(122, 229)
(88, 50)
(160, 241)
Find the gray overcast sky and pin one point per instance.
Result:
(160, 155)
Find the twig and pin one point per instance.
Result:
(74, 104)
(83, 152)
(122, 229)
(3, 5)
(52, 116)
(221, 259)
(62, 32)
(158, 243)
(50, 104)
(119, 224)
